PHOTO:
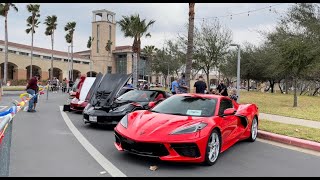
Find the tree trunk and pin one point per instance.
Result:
(295, 98)
(208, 80)
(5, 71)
(286, 84)
(72, 59)
(271, 85)
(315, 91)
(304, 88)
(32, 30)
(248, 84)
(280, 87)
(190, 43)
(51, 69)
(90, 63)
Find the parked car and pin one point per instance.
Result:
(110, 87)
(187, 128)
(79, 102)
(74, 88)
(128, 102)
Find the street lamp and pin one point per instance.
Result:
(238, 71)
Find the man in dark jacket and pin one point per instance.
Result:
(223, 90)
(32, 89)
(200, 86)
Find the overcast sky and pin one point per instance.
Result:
(170, 20)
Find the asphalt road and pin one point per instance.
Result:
(42, 145)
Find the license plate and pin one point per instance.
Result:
(93, 118)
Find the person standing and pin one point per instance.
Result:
(183, 88)
(174, 86)
(32, 88)
(200, 86)
(222, 89)
(64, 85)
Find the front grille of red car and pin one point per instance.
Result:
(144, 149)
(186, 149)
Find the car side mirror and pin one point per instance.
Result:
(151, 105)
(229, 111)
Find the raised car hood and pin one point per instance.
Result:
(94, 86)
(157, 127)
(108, 88)
(86, 86)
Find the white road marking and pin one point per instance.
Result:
(3, 107)
(105, 163)
(295, 148)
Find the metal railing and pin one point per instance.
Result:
(5, 144)
(6, 131)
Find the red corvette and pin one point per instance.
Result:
(187, 128)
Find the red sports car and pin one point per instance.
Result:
(187, 128)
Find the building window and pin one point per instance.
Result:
(110, 28)
(11, 51)
(98, 37)
(1, 49)
(24, 54)
(66, 60)
(76, 61)
(36, 55)
(46, 57)
(58, 59)
(85, 62)
(109, 70)
(121, 64)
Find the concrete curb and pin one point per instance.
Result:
(289, 140)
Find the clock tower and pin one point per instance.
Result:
(104, 39)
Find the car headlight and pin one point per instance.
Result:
(190, 129)
(87, 107)
(124, 121)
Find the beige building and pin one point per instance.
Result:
(116, 60)
(19, 62)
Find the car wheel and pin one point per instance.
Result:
(213, 148)
(254, 130)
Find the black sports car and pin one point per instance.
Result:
(110, 87)
(128, 102)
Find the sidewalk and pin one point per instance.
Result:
(290, 120)
(286, 139)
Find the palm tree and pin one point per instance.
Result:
(149, 51)
(4, 9)
(51, 22)
(32, 23)
(132, 26)
(190, 43)
(89, 43)
(70, 28)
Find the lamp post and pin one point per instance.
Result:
(238, 71)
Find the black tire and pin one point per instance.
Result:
(253, 134)
(66, 108)
(211, 161)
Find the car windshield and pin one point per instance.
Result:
(138, 96)
(187, 106)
